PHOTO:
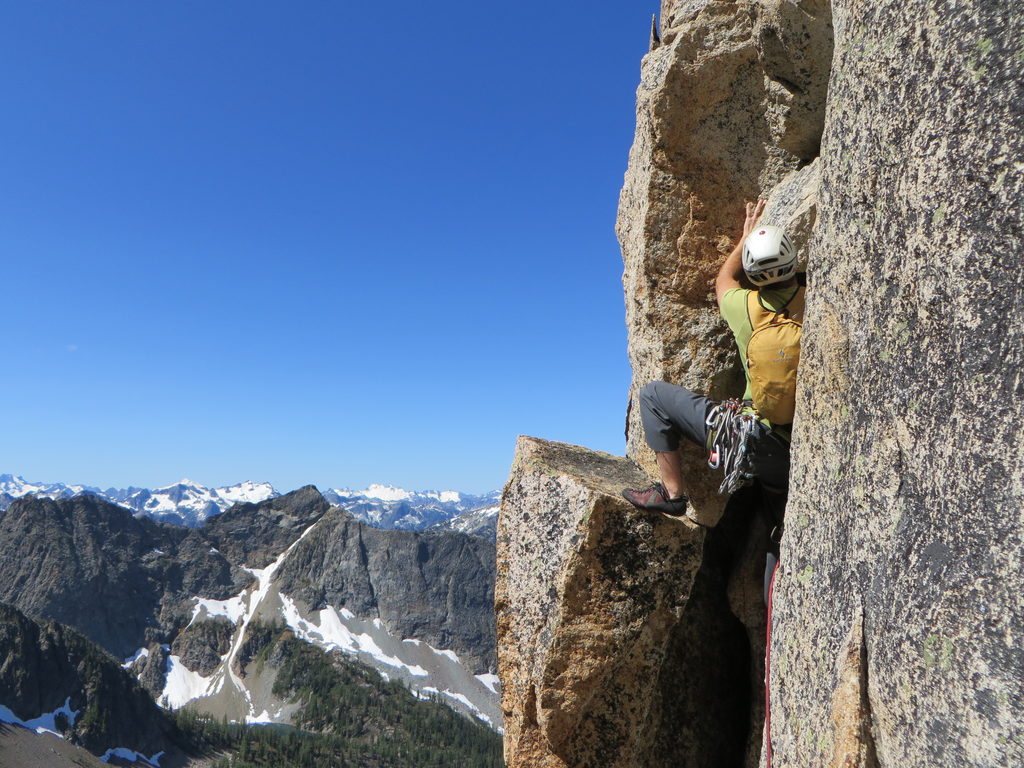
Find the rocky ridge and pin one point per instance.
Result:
(883, 137)
(436, 587)
(122, 581)
(178, 601)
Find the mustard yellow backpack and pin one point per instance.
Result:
(773, 355)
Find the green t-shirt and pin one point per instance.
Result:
(734, 309)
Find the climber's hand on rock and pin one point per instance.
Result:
(753, 215)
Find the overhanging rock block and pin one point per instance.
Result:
(589, 590)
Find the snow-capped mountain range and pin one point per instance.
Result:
(182, 503)
(384, 506)
(189, 503)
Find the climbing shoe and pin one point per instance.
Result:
(655, 499)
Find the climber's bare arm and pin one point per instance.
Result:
(732, 270)
(730, 273)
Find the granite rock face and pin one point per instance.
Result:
(730, 108)
(589, 595)
(729, 103)
(899, 616)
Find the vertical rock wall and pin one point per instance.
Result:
(899, 615)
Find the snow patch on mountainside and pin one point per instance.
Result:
(417, 664)
(45, 723)
(182, 685)
(141, 653)
(131, 756)
(491, 681)
(336, 631)
(233, 609)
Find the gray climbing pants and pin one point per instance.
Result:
(669, 412)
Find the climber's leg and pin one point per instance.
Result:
(668, 413)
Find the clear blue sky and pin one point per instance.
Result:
(311, 242)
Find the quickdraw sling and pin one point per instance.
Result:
(729, 443)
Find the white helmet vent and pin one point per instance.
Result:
(769, 256)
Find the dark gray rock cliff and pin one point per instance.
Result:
(128, 582)
(255, 534)
(437, 587)
(92, 565)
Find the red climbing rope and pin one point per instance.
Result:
(768, 672)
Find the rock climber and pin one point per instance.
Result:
(754, 433)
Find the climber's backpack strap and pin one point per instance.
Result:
(773, 354)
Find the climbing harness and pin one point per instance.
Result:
(731, 426)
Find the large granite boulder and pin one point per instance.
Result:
(590, 591)
(899, 614)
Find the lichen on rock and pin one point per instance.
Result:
(908, 479)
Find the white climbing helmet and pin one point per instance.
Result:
(768, 256)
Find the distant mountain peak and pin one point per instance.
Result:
(382, 492)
